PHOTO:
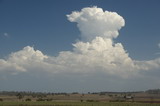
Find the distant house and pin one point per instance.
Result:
(128, 97)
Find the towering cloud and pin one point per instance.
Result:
(96, 53)
(94, 22)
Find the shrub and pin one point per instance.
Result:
(50, 99)
(1, 99)
(28, 99)
(91, 101)
(40, 99)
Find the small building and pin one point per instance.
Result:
(128, 97)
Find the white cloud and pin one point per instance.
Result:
(6, 34)
(94, 22)
(19, 61)
(159, 45)
(98, 55)
(101, 55)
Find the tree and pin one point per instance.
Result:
(19, 96)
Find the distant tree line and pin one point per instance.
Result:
(44, 94)
(153, 91)
(26, 93)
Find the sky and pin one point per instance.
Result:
(79, 45)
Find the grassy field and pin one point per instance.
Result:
(76, 99)
(42, 103)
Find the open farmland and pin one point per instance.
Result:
(75, 104)
(147, 98)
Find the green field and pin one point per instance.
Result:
(42, 103)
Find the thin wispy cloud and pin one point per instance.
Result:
(158, 53)
(6, 35)
(159, 45)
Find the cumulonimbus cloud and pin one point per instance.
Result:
(97, 52)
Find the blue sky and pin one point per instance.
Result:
(43, 25)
